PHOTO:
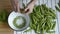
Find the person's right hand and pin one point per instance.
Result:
(30, 7)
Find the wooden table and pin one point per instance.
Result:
(4, 27)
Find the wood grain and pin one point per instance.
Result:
(6, 4)
(4, 27)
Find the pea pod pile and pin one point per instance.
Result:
(42, 19)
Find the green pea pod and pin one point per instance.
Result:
(0, 18)
(31, 24)
(51, 24)
(42, 11)
(53, 13)
(59, 3)
(45, 7)
(27, 30)
(50, 31)
(4, 16)
(36, 8)
(47, 26)
(34, 27)
(53, 16)
(54, 25)
(42, 31)
(35, 22)
(38, 28)
(42, 22)
(57, 8)
(33, 19)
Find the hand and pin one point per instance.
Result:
(17, 5)
(30, 7)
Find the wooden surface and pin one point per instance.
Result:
(4, 27)
(6, 4)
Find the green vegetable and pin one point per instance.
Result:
(28, 30)
(4, 15)
(21, 25)
(53, 25)
(42, 19)
(58, 8)
(51, 32)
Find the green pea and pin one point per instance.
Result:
(21, 25)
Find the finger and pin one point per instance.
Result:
(26, 10)
(30, 11)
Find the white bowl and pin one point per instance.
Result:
(14, 15)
